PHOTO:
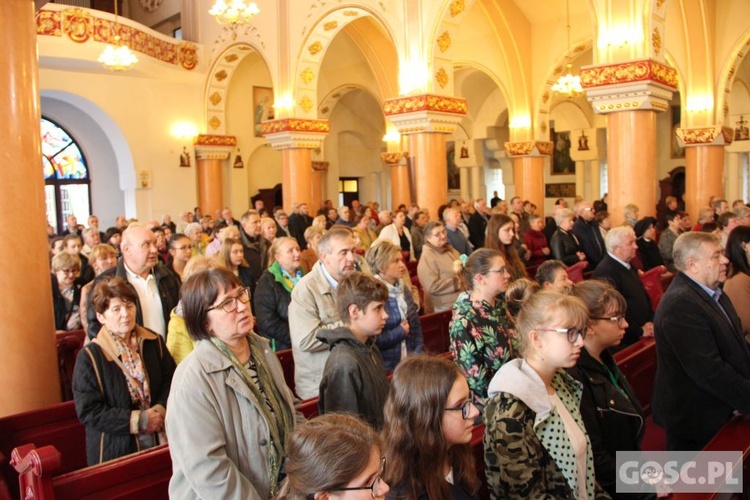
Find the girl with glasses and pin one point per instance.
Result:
(230, 411)
(479, 329)
(429, 417)
(334, 456)
(535, 442)
(613, 416)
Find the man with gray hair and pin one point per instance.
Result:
(703, 371)
(452, 218)
(615, 268)
(313, 308)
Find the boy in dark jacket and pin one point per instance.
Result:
(354, 379)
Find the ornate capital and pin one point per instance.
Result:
(289, 133)
(642, 84)
(716, 135)
(393, 159)
(215, 140)
(425, 113)
(214, 147)
(528, 148)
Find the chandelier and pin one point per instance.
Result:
(568, 84)
(236, 13)
(117, 56)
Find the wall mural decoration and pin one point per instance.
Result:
(454, 176)
(562, 163)
(560, 190)
(262, 107)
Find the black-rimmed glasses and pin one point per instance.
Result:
(465, 408)
(615, 319)
(230, 303)
(572, 333)
(376, 483)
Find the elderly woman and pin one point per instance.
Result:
(564, 244)
(274, 292)
(102, 257)
(309, 255)
(398, 234)
(121, 379)
(436, 269)
(230, 411)
(402, 333)
(363, 231)
(198, 238)
(66, 291)
(268, 229)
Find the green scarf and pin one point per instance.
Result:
(283, 277)
(281, 422)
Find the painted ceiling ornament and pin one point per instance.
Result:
(215, 98)
(231, 58)
(188, 55)
(307, 76)
(442, 78)
(314, 48)
(332, 25)
(48, 23)
(457, 7)
(77, 25)
(306, 104)
(656, 41)
(444, 41)
(221, 75)
(214, 123)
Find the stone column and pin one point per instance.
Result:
(211, 155)
(465, 179)
(427, 119)
(319, 169)
(296, 138)
(595, 176)
(704, 164)
(400, 190)
(581, 184)
(527, 159)
(28, 358)
(630, 93)
(734, 177)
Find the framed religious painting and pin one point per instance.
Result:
(262, 107)
(454, 177)
(562, 163)
(675, 150)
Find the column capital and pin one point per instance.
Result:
(394, 158)
(214, 147)
(528, 148)
(288, 133)
(631, 85)
(425, 113)
(716, 135)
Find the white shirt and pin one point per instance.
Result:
(150, 300)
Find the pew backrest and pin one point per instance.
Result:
(68, 346)
(651, 280)
(287, 364)
(638, 363)
(435, 331)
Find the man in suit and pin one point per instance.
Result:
(703, 373)
(452, 218)
(299, 220)
(615, 268)
(478, 223)
(588, 234)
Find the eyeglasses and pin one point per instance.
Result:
(615, 319)
(185, 247)
(465, 408)
(72, 270)
(376, 485)
(230, 303)
(573, 333)
(502, 270)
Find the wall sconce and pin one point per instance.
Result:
(520, 122)
(699, 104)
(413, 78)
(284, 105)
(392, 137)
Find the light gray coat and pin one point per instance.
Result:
(218, 437)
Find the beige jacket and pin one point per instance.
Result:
(313, 308)
(438, 279)
(218, 437)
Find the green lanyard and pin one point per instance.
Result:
(614, 377)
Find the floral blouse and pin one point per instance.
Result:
(480, 340)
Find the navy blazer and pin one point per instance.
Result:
(629, 284)
(703, 362)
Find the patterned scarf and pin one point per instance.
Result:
(279, 417)
(284, 277)
(396, 291)
(132, 365)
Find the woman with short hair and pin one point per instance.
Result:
(309, 255)
(102, 257)
(564, 244)
(397, 233)
(230, 411)
(66, 291)
(437, 269)
(122, 377)
(362, 229)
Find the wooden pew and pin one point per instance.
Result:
(68, 346)
(435, 331)
(651, 280)
(55, 425)
(287, 364)
(575, 272)
(145, 473)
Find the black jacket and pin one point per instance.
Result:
(614, 421)
(650, 255)
(255, 251)
(354, 378)
(167, 283)
(564, 247)
(477, 229)
(591, 241)
(629, 284)
(103, 402)
(298, 223)
(703, 362)
(271, 302)
(62, 313)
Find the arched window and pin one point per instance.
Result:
(66, 176)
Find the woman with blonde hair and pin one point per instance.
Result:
(362, 229)
(535, 442)
(309, 255)
(429, 417)
(66, 291)
(501, 234)
(232, 257)
(268, 229)
(334, 453)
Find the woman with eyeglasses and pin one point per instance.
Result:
(66, 291)
(479, 330)
(535, 441)
(180, 252)
(230, 411)
(427, 432)
(613, 416)
(334, 456)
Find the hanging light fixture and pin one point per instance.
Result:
(117, 56)
(568, 84)
(235, 13)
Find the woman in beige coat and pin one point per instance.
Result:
(230, 410)
(436, 270)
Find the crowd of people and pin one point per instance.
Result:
(184, 319)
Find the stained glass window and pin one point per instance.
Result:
(66, 176)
